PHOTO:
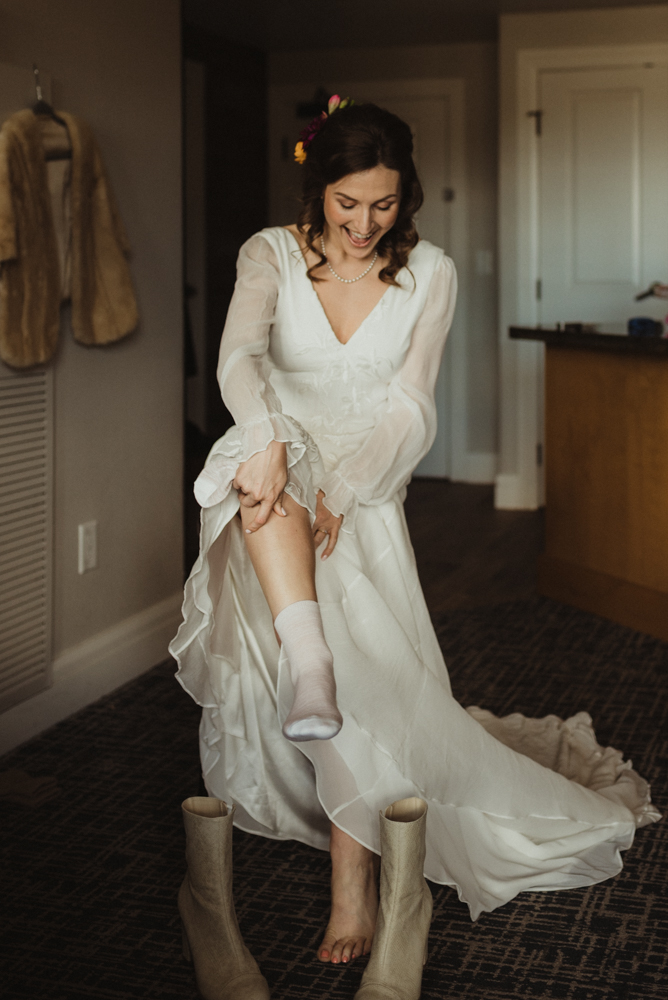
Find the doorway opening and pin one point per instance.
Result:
(225, 202)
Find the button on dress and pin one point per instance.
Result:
(515, 804)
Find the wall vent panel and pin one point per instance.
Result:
(26, 533)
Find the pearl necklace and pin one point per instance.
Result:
(346, 281)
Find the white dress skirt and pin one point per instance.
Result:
(515, 804)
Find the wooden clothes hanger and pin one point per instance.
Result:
(42, 107)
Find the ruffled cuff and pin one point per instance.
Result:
(242, 442)
(258, 435)
(340, 499)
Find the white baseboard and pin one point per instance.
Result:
(94, 668)
(479, 467)
(512, 492)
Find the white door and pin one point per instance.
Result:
(434, 111)
(603, 182)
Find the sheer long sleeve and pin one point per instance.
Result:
(406, 424)
(242, 368)
(243, 376)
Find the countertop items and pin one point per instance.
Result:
(588, 339)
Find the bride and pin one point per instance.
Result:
(306, 638)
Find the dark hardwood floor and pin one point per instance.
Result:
(468, 553)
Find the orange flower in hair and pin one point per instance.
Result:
(308, 134)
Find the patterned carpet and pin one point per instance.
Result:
(89, 879)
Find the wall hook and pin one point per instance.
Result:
(38, 87)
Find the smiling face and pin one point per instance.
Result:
(359, 209)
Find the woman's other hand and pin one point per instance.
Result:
(260, 482)
(326, 525)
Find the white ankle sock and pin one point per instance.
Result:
(314, 714)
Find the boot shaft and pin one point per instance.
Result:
(209, 823)
(224, 967)
(402, 836)
(394, 971)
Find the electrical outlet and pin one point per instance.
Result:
(87, 546)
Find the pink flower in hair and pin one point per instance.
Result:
(308, 134)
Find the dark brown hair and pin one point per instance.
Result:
(356, 138)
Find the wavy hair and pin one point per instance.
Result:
(356, 138)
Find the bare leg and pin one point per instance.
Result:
(283, 556)
(352, 920)
(282, 552)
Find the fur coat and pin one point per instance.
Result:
(104, 308)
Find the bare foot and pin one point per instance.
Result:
(352, 921)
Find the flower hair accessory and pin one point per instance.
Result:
(308, 134)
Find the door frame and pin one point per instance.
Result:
(522, 367)
(464, 465)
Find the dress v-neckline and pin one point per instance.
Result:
(357, 329)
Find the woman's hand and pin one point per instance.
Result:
(326, 525)
(260, 483)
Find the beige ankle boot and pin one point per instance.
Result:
(224, 967)
(399, 948)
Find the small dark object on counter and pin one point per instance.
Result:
(643, 326)
(648, 291)
(576, 328)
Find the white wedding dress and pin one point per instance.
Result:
(515, 804)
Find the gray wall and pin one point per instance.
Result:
(118, 423)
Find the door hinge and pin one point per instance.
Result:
(538, 120)
(448, 194)
(539, 289)
(539, 454)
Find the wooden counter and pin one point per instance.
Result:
(606, 455)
